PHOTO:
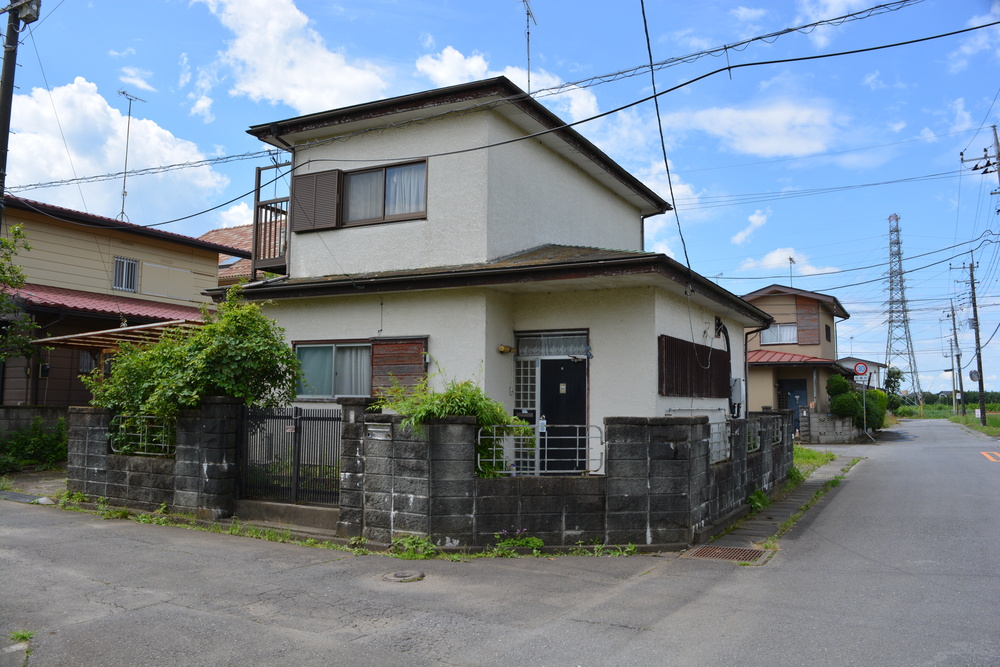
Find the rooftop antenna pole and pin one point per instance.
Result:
(128, 132)
(529, 18)
(791, 260)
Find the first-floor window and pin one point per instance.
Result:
(332, 370)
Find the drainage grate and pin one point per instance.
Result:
(737, 554)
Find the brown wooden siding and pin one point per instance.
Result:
(807, 317)
(399, 360)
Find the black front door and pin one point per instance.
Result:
(562, 402)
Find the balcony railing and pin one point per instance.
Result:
(270, 230)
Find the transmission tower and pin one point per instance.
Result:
(899, 345)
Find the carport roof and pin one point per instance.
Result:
(110, 339)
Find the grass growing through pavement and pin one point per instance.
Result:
(991, 429)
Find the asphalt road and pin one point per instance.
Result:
(897, 566)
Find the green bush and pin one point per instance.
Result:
(419, 405)
(906, 411)
(876, 404)
(837, 385)
(846, 405)
(34, 445)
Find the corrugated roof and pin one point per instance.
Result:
(769, 357)
(45, 296)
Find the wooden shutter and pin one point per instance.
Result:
(403, 360)
(689, 369)
(807, 320)
(316, 200)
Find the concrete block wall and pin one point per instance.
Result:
(200, 478)
(13, 417)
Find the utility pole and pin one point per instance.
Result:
(17, 11)
(958, 360)
(979, 351)
(988, 164)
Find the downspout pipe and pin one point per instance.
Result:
(746, 366)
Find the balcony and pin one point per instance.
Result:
(270, 228)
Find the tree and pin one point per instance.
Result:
(893, 381)
(238, 352)
(16, 326)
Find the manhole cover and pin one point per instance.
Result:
(737, 554)
(403, 576)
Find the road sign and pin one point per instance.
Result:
(860, 368)
(974, 375)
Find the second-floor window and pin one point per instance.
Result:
(126, 276)
(386, 193)
(780, 334)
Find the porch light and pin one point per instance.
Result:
(504, 349)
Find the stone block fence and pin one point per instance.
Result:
(659, 488)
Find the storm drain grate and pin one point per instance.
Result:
(738, 554)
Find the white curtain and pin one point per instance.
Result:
(406, 189)
(354, 370)
(363, 196)
(779, 333)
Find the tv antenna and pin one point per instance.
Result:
(529, 18)
(128, 130)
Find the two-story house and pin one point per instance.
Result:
(88, 273)
(790, 362)
(469, 231)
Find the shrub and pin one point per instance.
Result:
(875, 405)
(837, 385)
(34, 445)
(419, 405)
(906, 411)
(846, 405)
(239, 352)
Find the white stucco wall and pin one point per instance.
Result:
(455, 229)
(537, 197)
(528, 195)
(680, 318)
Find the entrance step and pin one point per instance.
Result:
(323, 519)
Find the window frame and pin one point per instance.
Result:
(780, 326)
(345, 196)
(333, 396)
(125, 267)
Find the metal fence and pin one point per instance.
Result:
(552, 449)
(142, 435)
(291, 455)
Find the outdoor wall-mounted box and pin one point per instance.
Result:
(378, 431)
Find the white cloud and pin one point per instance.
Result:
(121, 54)
(811, 11)
(747, 14)
(450, 67)
(873, 81)
(94, 134)
(778, 129)
(427, 40)
(778, 260)
(185, 75)
(757, 219)
(276, 57)
(963, 119)
(134, 76)
(928, 134)
(236, 215)
(898, 126)
(689, 40)
(978, 41)
(202, 107)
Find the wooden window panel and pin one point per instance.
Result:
(316, 200)
(402, 360)
(682, 369)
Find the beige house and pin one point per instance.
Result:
(469, 232)
(790, 362)
(89, 273)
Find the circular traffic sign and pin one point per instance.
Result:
(974, 375)
(860, 368)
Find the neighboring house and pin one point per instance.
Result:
(426, 232)
(790, 362)
(90, 273)
(232, 268)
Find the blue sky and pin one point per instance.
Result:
(804, 160)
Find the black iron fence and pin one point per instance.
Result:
(291, 455)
